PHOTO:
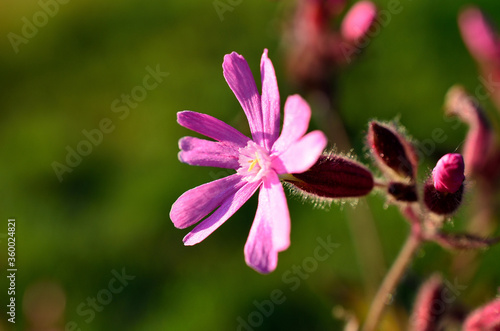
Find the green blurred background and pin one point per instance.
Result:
(111, 212)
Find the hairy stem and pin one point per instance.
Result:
(390, 281)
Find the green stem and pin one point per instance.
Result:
(390, 282)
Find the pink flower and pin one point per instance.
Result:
(258, 163)
(358, 20)
(448, 175)
(485, 318)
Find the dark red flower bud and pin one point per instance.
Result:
(334, 176)
(429, 305)
(402, 192)
(442, 203)
(485, 318)
(394, 154)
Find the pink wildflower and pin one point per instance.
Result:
(258, 163)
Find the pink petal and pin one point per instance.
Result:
(207, 153)
(274, 197)
(486, 318)
(270, 232)
(226, 210)
(240, 80)
(211, 127)
(478, 35)
(480, 137)
(198, 202)
(358, 20)
(296, 121)
(448, 174)
(270, 102)
(477, 146)
(302, 155)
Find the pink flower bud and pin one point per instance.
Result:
(484, 318)
(478, 35)
(448, 175)
(443, 191)
(334, 176)
(358, 20)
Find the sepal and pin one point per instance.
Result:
(333, 176)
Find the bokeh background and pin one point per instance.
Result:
(111, 212)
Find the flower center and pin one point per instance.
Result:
(254, 161)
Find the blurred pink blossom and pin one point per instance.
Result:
(480, 151)
(314, 48)
(485, 318)
(483, 43)
(478, 35)
(358, 20)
